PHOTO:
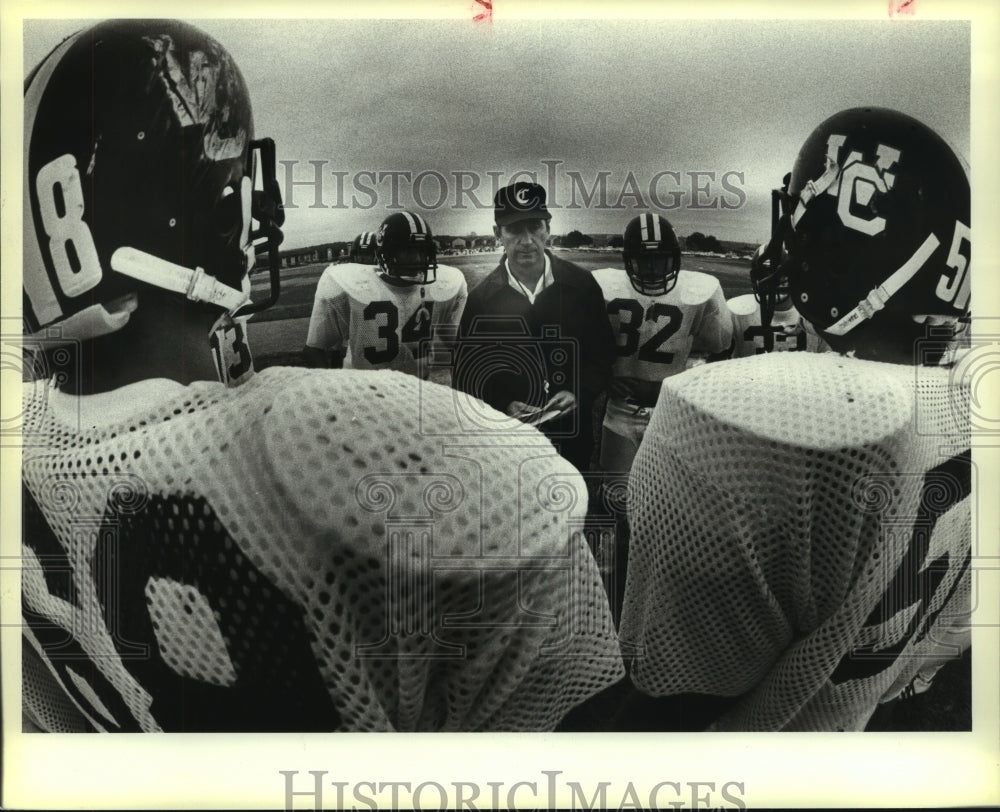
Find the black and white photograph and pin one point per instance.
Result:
(605, 390)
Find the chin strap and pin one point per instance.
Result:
(195, 284)
(814, 188)
(879, 296)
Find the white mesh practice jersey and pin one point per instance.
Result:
(789, 332)
(800, 529)
(656, 334)
(381, 325)
(312, 550)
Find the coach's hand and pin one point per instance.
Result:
(521, 410)
(562, 402)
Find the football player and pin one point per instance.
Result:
(817, 506)
(309, 550)
(363, 249)
(662, 316)
(766, 320)
(387, 318)
(663, 319)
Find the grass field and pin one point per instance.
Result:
(278, 334)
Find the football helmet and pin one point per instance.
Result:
(876, 225)
(405, 249)
(139, 170)
(363, 248)
(651, 254)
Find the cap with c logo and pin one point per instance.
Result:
(520, 201)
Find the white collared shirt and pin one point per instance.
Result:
(544, 281)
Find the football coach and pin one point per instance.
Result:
(535, 341)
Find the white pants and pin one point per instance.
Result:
(624, 426)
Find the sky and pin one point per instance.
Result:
(695, 119)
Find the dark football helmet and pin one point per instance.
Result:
(363, 248)
(876, 225)
(651, 254)
(405, 250)
(139, 170)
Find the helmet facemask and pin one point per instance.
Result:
(363, 249)
(405, 250)
(770, 265)
(652, 273)
(651, 254)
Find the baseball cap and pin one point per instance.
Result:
(520, 201)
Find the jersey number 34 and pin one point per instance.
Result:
(417, 327)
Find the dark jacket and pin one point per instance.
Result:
(510, 349)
